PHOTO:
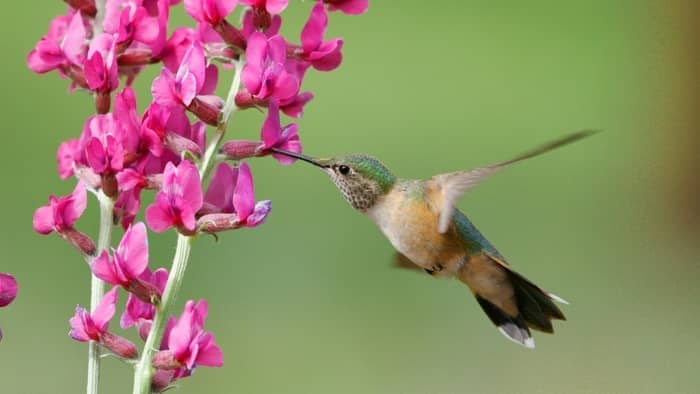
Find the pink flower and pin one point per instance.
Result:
(190, 87)
(48, 55)
(63, 48)
(230, 201)
(61, 213)
(177, 45)
(272, 6)
(8, 289)
(101, 70)
(351, 7)
(177, 201)
(140, 25)
(139, 313)
(212, 12)
(93, 326)
(264, 74)
(274, 135)
(101, 143)
(110, 142)
(188, 344)
(127, 265)
(323, 55)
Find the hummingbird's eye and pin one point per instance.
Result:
(343, 169)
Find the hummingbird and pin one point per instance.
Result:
(421, 221)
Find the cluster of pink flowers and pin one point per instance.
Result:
(101, 46)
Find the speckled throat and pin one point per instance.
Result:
(362, 193)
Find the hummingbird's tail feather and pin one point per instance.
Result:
(513, 328)
(513, 303)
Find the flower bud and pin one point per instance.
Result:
(217, 222)
(144, 291)
(208, 110)
(165, 359)
(79, 240)
(231, 35)
(179, 144)
(244, 99)
(241, 149)
(122, 347)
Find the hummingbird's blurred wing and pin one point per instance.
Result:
(455, 184)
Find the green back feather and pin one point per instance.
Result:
(373, 169)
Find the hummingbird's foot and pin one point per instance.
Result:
(434, 270)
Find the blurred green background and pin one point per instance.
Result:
(308, 303)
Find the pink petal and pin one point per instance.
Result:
(187, 218)
(208, 353)
(277, 49)
(95, 71)
(262, 209)
(188, 178)
(194, 9)
(210, 80)
(158, 215)
(195, 63)
(276, 6)
(315, 28)
(244, 194)
(220, 192)
(188, 89)
(103, 268)
(224, 7)
(74, 42)
(329, 55)
(43, 221)
(133, 251)
(286, 86)
(96, 155)
(77, 324)
(256, 49)
(76, 205)
(181, 333)
(162, 89)
(105, 309)
(271, 129)
(8, 289)
(295, 107)
(252, 78)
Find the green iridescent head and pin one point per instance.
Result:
(362, 179)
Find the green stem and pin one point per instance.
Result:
(97, 288)
(229, 108)
(143, 372)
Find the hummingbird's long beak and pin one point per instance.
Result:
(299, 156)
